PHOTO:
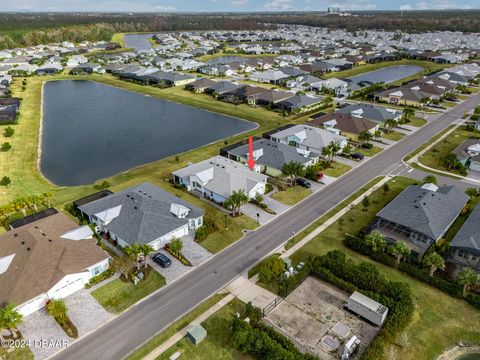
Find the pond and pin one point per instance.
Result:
(91, 131)
(229, 59)
(138, 41)
(388, 74)
(474, 356)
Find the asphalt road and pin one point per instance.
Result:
(121, 336)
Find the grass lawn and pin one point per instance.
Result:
(368, 152)
(439, 321)
(336, 169)
(449, 104)
(159, 339)
(119, 38)
(418, 150)
(393, 135)
(291, 195)
(434, 157)
(427, 65)
(417, 122)
(117, 295)
(20, 353)
(218, 343)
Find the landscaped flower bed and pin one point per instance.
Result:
(58, 310)
(178, 255)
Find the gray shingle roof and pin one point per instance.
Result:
(145, 213)
(427, 212)
(275, 155)
(371, 112)
(468, 237)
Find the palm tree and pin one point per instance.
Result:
(399, 250)
(326, 152)
(134, 252)
(408, 113)
(389, 125)
(10, 319)
(21, 204)
(468, 278)
(434, 261)
(47, 197)
(376, 241)
(146, 249)
(430, 179)
(238, 198)
(292, 170)
(364, 137)
(450, 161)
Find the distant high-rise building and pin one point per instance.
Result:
(334, 10)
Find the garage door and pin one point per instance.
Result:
(31, 306)
(68, 289)
(180, 232)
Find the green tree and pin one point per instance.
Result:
(10, 318)
(364, 137)
(386, 188)
(434, 261)
(399, 250)
(58, 309)
(175, 245)
(408, 113)
(271, 269)
(366, 202)
(124, 265)
(472, 192)
(347, 149)
(468, 278)
(430, 179)
(293, 170)
(236, 200)
(389, 125)
(450, 161)
(376, 241)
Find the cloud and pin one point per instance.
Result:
(355, 5)
(165, 8)
(239, 2)
(279, 5)
(406, 7)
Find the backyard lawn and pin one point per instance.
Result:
(439, 321)
(434, 157)
(218, 344)
(118, 295)
(336, 169)
(291, 195)
(159, 339)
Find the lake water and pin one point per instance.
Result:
(92, 131)
(388, 74)
(475, 356)
(138, 41)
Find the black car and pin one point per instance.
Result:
(162, 260)
(358, 156)
(304, 183)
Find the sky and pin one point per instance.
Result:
(230, 5)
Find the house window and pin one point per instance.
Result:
(97, 270)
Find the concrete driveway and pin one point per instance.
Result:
(172, 272)
(85, 312)
(40, 326)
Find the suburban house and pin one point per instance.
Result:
(241, 94)
(308, 138)
(468, 154)
(46, 259)
(87, 68)
(49, 69)
(8, 110)
(200, 85)
(465, 246)
(269, 98)
(346, 125)
(379, 114)
(143, 214)
(270, 76)
(169, 78)
(339, 86)
(299, 103)
(270, 156)
(218, 177)
(420, 215)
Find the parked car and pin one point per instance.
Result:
(358, 156)
(162, 260)
(304, 183)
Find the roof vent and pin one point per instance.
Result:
(28, 249)
(49, 240)
(15, 235)
(23, 242)
(135, 207)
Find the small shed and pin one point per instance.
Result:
(196, 334)
(367, 308)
